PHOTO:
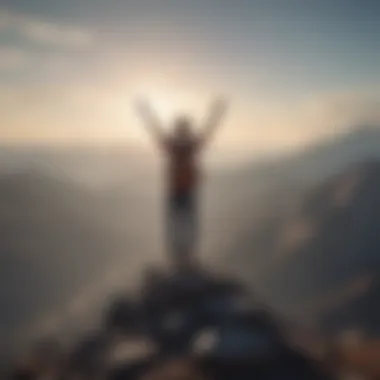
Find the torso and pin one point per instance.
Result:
(183, 169)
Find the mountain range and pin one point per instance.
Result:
(301, 229)
(317, 259)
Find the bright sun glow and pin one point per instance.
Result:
(169, 104)
(169, 100)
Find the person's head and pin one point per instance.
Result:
(183, 127)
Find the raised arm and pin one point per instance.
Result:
(150, 121)
(213, 121)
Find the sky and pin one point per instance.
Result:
(294, 71)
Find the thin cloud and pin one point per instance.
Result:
(48, 33)
(12, 58)
(45, 32)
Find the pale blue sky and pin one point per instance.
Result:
(280, 58)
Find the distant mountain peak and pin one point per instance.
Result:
(370, 166)
(365, 130)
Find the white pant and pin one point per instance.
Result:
(182, 232)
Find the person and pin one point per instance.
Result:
(182, 148)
